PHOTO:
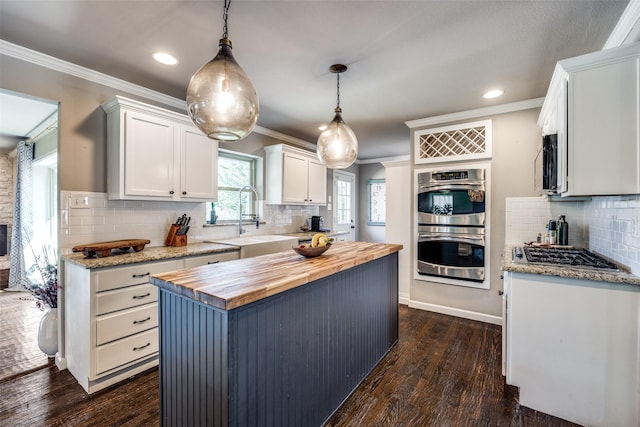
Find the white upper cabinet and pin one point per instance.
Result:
(294, 177)
(317, 182)
(593, 104)
(148, 148)
(156, 154)
(199, 160)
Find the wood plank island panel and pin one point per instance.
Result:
(236, 283)
(301, 335)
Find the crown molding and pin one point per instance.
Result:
(627, 30)
(286, 138)
(396, 163)
(384, 160)
(56, 64)
(52, 63)
(479, 112)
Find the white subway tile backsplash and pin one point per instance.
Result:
(608, 225)
(106, 220)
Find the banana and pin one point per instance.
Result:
(314, 240)
(320, 240)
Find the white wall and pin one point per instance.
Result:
(398, 229)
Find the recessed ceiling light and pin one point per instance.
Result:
(165, 58)
(493, 93)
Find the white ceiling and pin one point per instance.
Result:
(407, 59)
(21, 115)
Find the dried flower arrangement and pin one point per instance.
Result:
(43, 277)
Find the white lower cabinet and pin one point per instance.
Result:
(111, 318)
(572, 347)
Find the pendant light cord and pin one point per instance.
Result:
(225, 17)
(338, 90)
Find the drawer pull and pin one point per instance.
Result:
(141, 296)
(137, 276)
(141, 347)
(137, 322)
(213, 262)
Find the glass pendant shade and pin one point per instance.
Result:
(221, 100)
(337, 145)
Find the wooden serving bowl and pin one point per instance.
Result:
(310, 252)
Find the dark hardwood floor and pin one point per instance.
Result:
(444, 371)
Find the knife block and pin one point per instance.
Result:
(174, 239)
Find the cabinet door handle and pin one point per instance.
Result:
(141, 296)
(213, 262)
(137, 322)
(137, 276)
(171, 192)
(141, 347)
(184, 193)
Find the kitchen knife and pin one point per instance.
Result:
(184, 221)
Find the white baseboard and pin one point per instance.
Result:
(404, 299)
(472, 315)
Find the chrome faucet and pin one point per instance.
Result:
(240, 229)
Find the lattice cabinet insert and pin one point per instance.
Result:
(453, 143)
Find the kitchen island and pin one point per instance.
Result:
(274, 340)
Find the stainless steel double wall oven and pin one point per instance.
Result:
(451, 223)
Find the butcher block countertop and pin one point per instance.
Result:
(236, 283)
(157, 253)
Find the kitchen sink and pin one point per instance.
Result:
(251, 246)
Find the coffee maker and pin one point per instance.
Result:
(317, 223)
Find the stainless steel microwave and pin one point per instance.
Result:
(547, 166)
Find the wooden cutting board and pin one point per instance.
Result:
(103, 249)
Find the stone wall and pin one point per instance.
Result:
(7, 200)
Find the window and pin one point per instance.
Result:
(377, 195)
(45, 199)
(343, 213)
(235, 170)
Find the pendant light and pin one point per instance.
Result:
(221, 100)
(337, 145)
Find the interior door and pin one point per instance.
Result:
(344, 202)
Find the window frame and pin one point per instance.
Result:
(254, 166)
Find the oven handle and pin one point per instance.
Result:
(449, 237)
(427, 187)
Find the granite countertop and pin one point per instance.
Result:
(157, 253)
(570, 272)
(236, 283)
(308, 235)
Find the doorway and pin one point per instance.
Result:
(344, 210)
(35, 120)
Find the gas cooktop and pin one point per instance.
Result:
(562, 256)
